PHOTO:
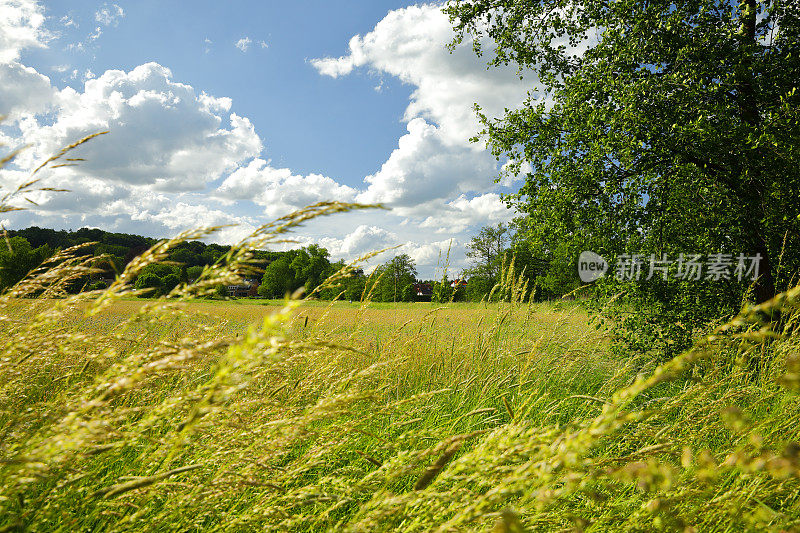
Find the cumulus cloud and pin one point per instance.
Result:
(411, 44)
(436, 255)
(363, 240)
(21, 26)
(460, 214)
(429, 255)
(424, 168)
(177, 157)
(166, 140)
(163, 133)
(435, 179)
(134, 210)
(24, 91)
(181, 215)
(278, 190)
(434, 162)
(86, 197)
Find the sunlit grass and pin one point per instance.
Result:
(118, 413)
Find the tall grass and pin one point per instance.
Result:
(169, 415)
(510, 416)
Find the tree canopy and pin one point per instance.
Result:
(18, 258)
(486, 250)
(307, 267)
(663, 126)
(394, 280)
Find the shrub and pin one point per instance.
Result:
(149, 281)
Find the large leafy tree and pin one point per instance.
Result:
(665, 126)
(312, 266)
(159, 277)
(279, 278)
(486, 250)
(18, 258)
(394, 279)
(307, 267)
(402, 273)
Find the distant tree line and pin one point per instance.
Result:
(27, 248)
(283, 272)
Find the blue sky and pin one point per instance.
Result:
(298, 131)
(237, 112)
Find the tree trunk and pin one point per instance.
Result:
(754, 189)
(765, 285)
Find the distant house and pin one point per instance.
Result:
(423, 292)
(248, 289)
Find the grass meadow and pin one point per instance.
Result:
(183, 414)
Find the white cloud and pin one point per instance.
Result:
(170, 144)
(178, 216)
(435, 180)
(411, 44)
(86, 196)
(424, 168)
(20, 27)
(133, 209)
(511, 178)
(462, 213)
(363, 240)
(23, 90)
(244, 43)
(434, 165)
(163, 133)
(435, 256)
(67, 22)
(166, 139)
(109, 15)
(427, 256)
(278, 190)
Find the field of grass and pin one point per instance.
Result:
(130, 415)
